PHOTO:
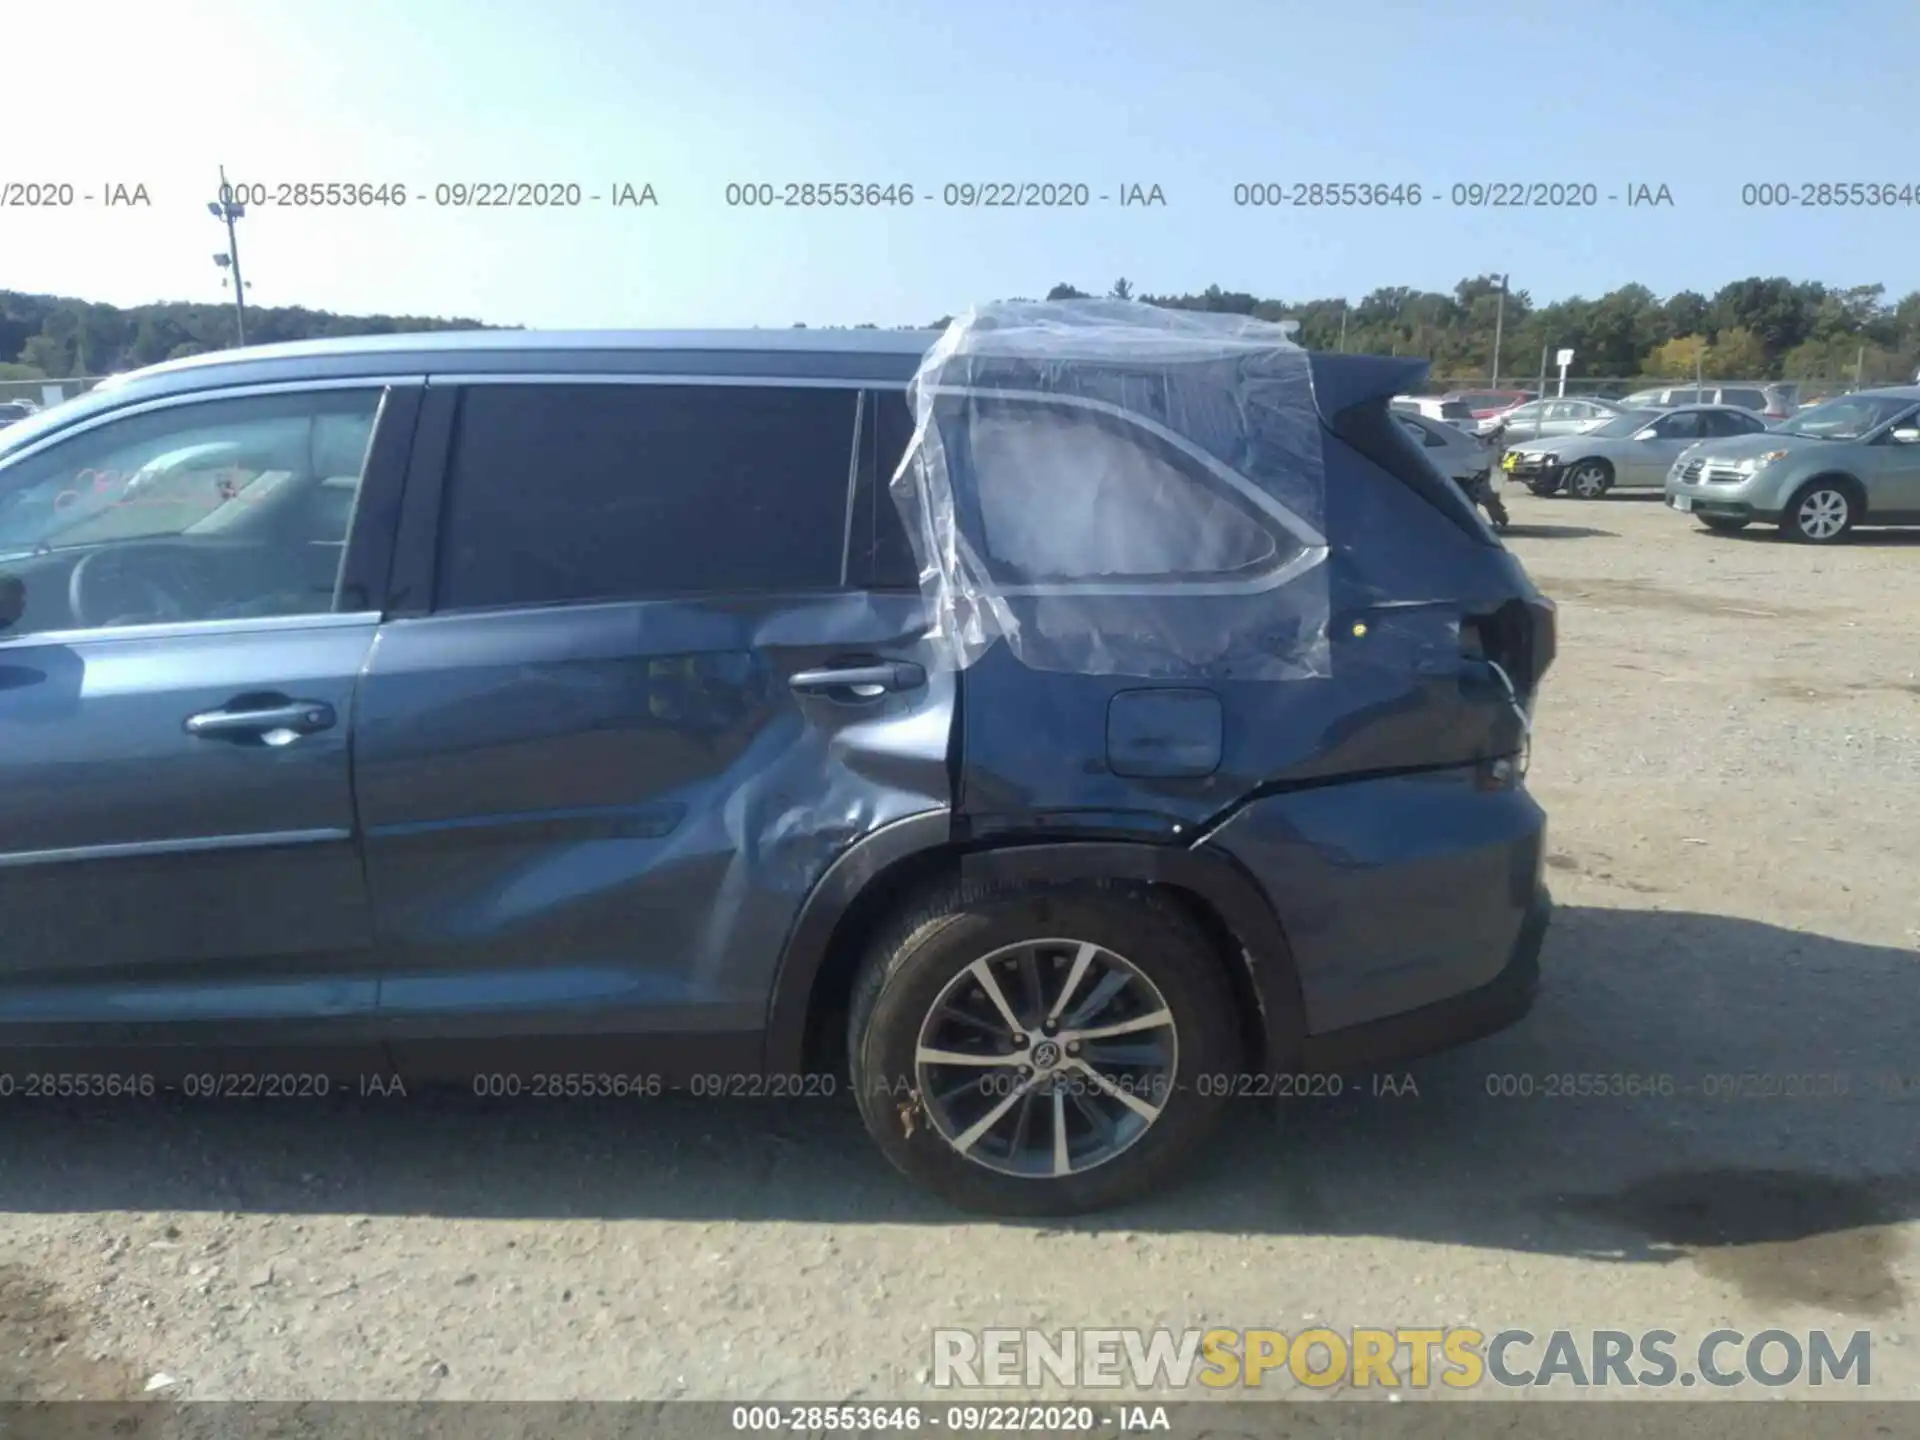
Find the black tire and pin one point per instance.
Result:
(1723, 524)
(1810, 516)
(911, 964)
(1545, 489)
(1589, 480)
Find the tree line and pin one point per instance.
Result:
(1770, 328)
(54, 337)
(1757, 328)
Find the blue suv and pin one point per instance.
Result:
(561, 714)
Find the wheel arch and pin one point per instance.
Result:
(872, 879)
(1846, 479)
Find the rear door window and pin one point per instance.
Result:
(1745, 399)
(571, 493)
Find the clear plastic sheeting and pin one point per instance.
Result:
(1114, 488)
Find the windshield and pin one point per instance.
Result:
(1627, 422)
(1847, 418)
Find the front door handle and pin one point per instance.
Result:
(290, 717)
(860, 682)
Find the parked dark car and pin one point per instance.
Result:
(557, 715)
(14, 411)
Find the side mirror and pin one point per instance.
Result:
(1646, 434)
(1906, 435)
(13, 600)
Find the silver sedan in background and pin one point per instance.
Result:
(1557, 415)
(1454, 453)
(1634, 449)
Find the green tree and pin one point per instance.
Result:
(1680, 358)
(1122, 289)
(1064, 291)
(1737, 354)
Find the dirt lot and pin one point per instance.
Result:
(1730, 752)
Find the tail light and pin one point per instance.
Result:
(1521, 638)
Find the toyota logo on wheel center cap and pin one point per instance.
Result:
(1046, 1055)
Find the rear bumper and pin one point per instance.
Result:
(1501, 1002)
(1413, 905)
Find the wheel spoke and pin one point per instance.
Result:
(970, 1137)
(954, 1012)
(1082, 962)
(1111, 984)
(1023, 1122)
(1126, 1097)
(1098, 1120)
(928, 1055)
(983, 973)
(1123, 1027)
(1036, 996)
(1062, 1163)
(1140, 1053)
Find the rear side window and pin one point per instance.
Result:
(1456, 410)
(1069, 495)
(1746, 399)
(577, 493)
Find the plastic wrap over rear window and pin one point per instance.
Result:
(1114, 488)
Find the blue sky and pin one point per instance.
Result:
(1702, 97)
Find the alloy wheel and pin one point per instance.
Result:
(1589, 482)
(1823, 514)
(1046, 1058)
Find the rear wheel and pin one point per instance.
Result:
(1723, 524)
(1821, 513)
(1589, 480)
(1041, 1051)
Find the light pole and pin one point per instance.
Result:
(1343, 326)
(228, 210)
(1499, 323)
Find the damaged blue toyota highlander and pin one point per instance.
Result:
(1029, 728)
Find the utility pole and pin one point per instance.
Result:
(1543, 371)
(227, 210)
(1499, 322)
(1343, 325)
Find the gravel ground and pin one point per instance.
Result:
(1730, 753)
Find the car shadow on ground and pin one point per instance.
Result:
(1519, 531)
(1689, 1085)
(1858, 539)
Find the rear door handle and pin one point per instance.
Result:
(860, 682)
(300, 717)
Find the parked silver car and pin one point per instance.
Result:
(1557, 415)
(1635, 448)
(1454, 453)
(1852, 461)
